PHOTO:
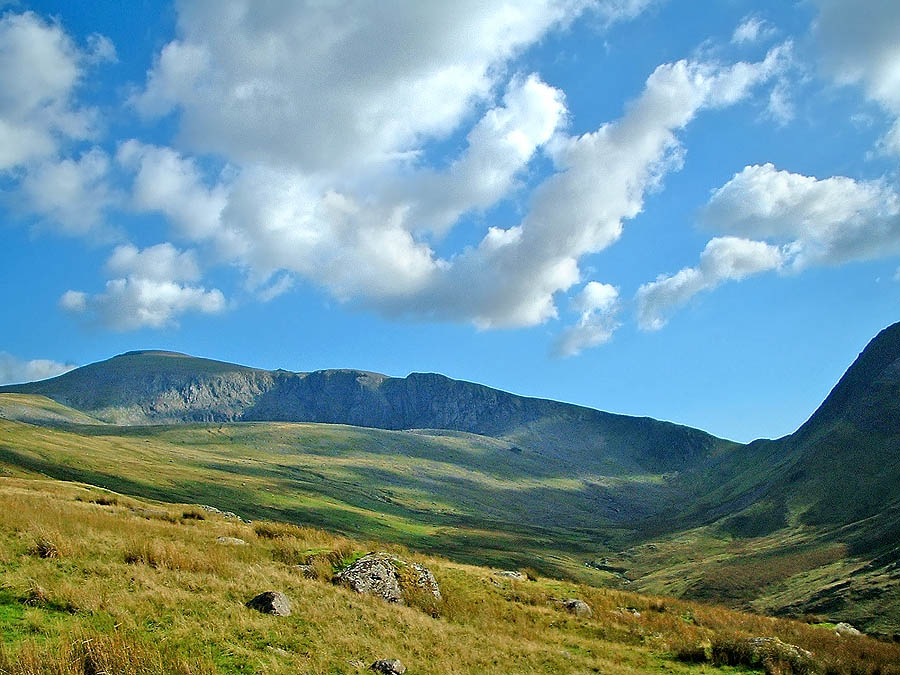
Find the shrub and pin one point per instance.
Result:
(45, 546)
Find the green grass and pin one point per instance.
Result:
(133, 594)
(470, 498)
(459, 493)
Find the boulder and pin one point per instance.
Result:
(769, 652)
(231, 541)
(511, 574)
(846, 630)
(271, 602)
(577, 607)
(388, 667)
(388, 577)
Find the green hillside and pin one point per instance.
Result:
(805, 525)
(94, 582)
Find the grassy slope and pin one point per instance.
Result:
(71, 602)
(463, 495)
(475, 500)
(36, 409)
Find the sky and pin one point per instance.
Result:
(685, 209)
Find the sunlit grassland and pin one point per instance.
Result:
(143, 586)
(466, 496)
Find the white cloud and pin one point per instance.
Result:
(500, 146)
(598, 304)
(162, 262)
(14, 370)
(168, 183)
(752, 29)
(859, 45)
(807, 221)
(72, 193)
(364, 245)
(723, 259)
(828, 221)
(371, 81)
(39, 69)
(150, 292)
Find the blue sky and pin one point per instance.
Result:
(687, 210)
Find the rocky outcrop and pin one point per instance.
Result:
(388, 667)
(389, 578)
(271, 602)
(846, 630)
(168, 388)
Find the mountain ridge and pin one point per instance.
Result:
(150, 386)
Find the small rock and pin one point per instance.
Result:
(271, 602)
(388, 667)
(511, 574)
(846, 630)
(231, 541)
(577, 607)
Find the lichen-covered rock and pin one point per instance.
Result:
(271, 602)
(231, 541)
(511, 574)
(768, 652)
(388, 577)
(388, 667)
(577, 607)
(846, 630)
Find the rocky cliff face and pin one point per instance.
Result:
(168, 388)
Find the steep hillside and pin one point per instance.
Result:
(164, 387)
(96, 582)
(809, 523)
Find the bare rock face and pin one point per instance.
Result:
(271, 602)
(388, 667)
(388, 577)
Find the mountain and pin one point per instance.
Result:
(156, 387)
(808, 523)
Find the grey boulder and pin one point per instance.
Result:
(388, 577)
(271, 602)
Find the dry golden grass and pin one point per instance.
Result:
(133, 594)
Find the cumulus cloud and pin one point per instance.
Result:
(14, 370)
(151, 291)
(365, 245)
(500, 146)
(71, 193)
(168, 183)
(40, 67)
(752, 29)
(723, 259)
(598, 305)
(861, 47)
(162, 262)
(820, 221)
(372, 81)
(807, 221)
